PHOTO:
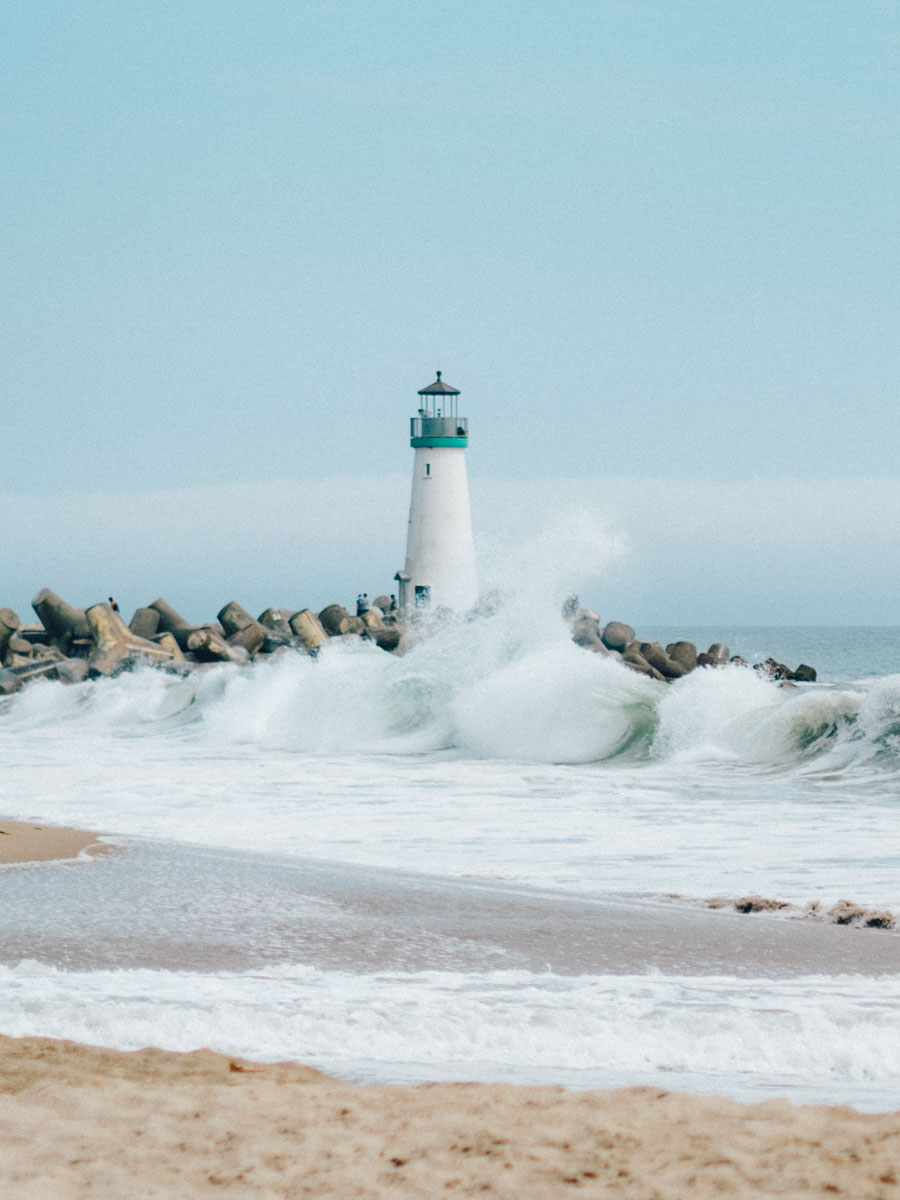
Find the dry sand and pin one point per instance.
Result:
(78, 1121)
(21, 841)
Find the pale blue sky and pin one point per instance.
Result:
(647, 240)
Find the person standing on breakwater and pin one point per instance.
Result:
(362, 604)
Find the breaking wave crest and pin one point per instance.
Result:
(498, 687)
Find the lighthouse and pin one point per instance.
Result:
(440, 549)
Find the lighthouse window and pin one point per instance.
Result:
(428, 468)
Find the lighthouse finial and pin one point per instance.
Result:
(439, 376)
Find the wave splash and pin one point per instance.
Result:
(485, 688)
(836, 1030)
(508, 684)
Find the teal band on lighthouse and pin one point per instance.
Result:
(438, 441)
(440, 550)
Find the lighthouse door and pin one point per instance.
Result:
(423, 595)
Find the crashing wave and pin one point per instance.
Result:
(491, 688)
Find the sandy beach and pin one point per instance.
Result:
(21, 841)
(78, 1120)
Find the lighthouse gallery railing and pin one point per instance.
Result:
(422, 427)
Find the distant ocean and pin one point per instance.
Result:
(384, 866)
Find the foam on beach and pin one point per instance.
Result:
(810, 1035)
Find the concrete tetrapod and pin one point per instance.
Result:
(116, 647)
(207, 646)
(19, 647)
(12, 678)
(61, 620)
(144, 623)
(307, 627)
(234, 619)
(684, 653)
(9, 623)
(167, 641)
(586, 631)
(335, 620)
(171, 621)
(653, 653)
(616, 635)
(241, 629)
(273, 619)
(386, 638)
(252, 638)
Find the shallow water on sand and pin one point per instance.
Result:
(454, 863)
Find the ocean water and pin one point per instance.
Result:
(490, 858)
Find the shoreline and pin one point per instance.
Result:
(80, 1117)
(371, 919)
(25, 842)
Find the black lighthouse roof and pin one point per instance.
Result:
(439, 388)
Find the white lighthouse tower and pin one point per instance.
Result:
(440, 549)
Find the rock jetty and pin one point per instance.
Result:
(665, 663)
(73, 644)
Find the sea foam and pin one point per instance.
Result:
(844, 1030)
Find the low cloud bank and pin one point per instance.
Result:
(749, 552)
(763, 551)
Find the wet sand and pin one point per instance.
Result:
(78, 1120)
(172, 907)
(21, 842)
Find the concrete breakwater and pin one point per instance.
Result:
(665, 662)
(73, 644)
